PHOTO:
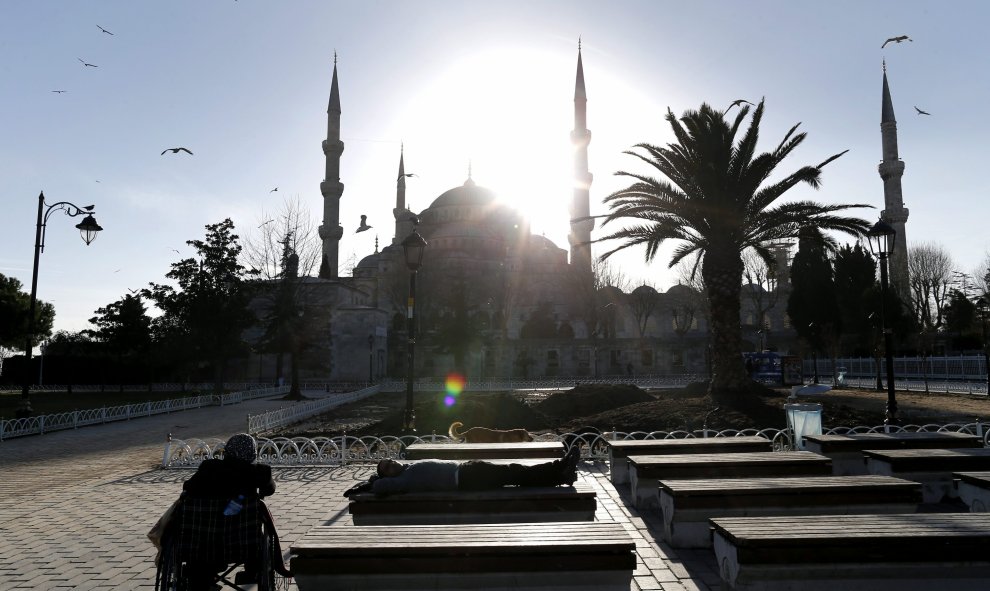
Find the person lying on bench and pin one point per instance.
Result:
(451, 475)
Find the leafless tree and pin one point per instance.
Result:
(930, 268)
(981, 276)
(291, 226)
(643, 303)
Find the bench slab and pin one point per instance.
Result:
(509, 504)
(647, 471)
(933, 468)
(619, 451)
(901, 552)
(686, 506)
(974, 490)
(846, 451)
(485, 451)
(596, 555)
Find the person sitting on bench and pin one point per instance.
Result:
(451, 475)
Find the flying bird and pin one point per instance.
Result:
(407, 174)
(738, 102)
(83, 62)
(274, 190)
(176, 151)
(920, 112)
(104, 30)
(364, 224)
(58, 91)
(899, 39)
(265, 223)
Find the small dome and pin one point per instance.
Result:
(644, 289)
(368, 262)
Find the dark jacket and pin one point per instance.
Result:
(227, 478)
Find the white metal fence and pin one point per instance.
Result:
(42, 424)
(271, 420)
(554, 383)
(960, 368)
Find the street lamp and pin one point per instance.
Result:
(371, 344)
(881, 238)
(413, 247)
(88, 228)
(983, 309)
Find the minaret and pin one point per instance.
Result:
(403, 217)
(894, 213)
(580, 236)
(331, 187)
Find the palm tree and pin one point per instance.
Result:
(717, 202)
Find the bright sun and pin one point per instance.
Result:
(508, 114)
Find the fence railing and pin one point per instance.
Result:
(344, 449)
(39, 425)
(554, 383)
(274, 419)
(959, 368)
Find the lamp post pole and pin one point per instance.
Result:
(88, 229)
(413, 247)
(371, 357)
(881, 237)
(983, 308)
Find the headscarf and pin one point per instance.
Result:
(241, 447)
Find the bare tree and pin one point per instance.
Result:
(760, 283)
(291, 226)
(981, 276)
(643, 302)
(930, 268)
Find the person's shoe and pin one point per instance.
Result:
(568, 472)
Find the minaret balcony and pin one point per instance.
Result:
(332, 189)
(334, 147)
(891, 169)
(331, 233)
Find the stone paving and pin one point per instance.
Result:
(75, 506)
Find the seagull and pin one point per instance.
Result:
(920, 112)
(58, 91)
(87, 64)
(265, 223)
(274, 190)
(104, 30)
(896, 40)
(175, 251)
(738, 102)
(176, 151)
(117, 271)
(407, 174)
(364, 224)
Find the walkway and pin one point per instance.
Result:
(75, 505)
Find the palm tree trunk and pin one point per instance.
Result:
(722, 271)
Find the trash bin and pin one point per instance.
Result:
(803, 419)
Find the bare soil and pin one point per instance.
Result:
(627, 408)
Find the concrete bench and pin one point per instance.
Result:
(647, 471)
(619, 451)
(900, 552)
(686, 506)
(846, 451)
(485, 451)
(933, 468)
(504, 505)
(516, 556)
(974, 490)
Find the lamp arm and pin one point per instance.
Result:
(71, 209)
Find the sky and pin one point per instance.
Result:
(244, 85)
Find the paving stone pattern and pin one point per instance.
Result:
(75, 506)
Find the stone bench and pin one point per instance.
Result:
(516, 556)
(846, 451)
(619, 451)
(686, 506)
(504, 505)
(647, 471)
(899, 552)
(933, 468)
(974, 490)
(485, 451)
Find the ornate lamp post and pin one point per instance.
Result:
(983, 309)
(371, 363)
(881, 237)
(413, 247)
(88, 228)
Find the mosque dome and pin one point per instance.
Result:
(467, 194)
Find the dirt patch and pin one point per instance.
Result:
(627, 409)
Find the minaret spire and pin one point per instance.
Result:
(331, 187)
(891, 170)
(580, 236)
(403, 227)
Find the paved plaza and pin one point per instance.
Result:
(75, 505)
